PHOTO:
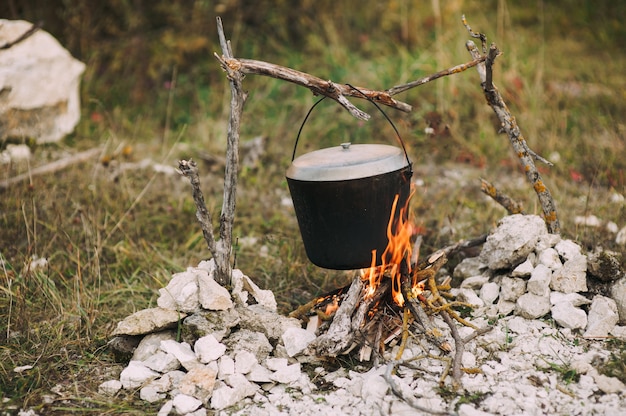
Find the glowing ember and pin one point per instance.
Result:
(399, 231)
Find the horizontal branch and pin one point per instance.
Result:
(52, 167)
(318, 86)
(450, 71)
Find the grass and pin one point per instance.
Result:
(113, 237)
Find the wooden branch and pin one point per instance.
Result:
(34, 28)
(450, 71)
(509, 124)
(52, 167)
(388, 376)
(318, 86)
(463, 244)
(416, 306)
(340, 334)
(459, 347)
(189, 169)
(238, 98)
(511, 205)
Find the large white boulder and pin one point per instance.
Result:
(39, 85)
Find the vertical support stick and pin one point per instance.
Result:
(238, 98)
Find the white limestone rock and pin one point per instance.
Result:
(602, 317)
(539, 282)
(511, 288)
(15, 154)
(531, 306)
(287, 374)
(513, 240)
(255, 342)
(184, 404)
(489, 292)
(40, 84)
(182, 351)
(575, 299)
(468, 267)
(166, 409)
(162, 362)
(258, 318)
(550, 258)
(547, 241)
(259, 374)
(620, 238)
(199, 382)
(166, 382)
(150, 394)
(151, 343)
(374, 387)
(147, 321)
(245, 361)
(505, 307)
(618, 294)
(568, 316)
(608, 385)
(136, 374)
(276, 364)
(236, 388)
(474, 282)
(572, 277)
(468, 296)
(181, 293)
(208, 348)
(619, 332)
(296, 340)
(216, 323)
(225, 367)
(212, 295)
(241, 383)
(568, 249)
(243, 285)
(110, 387)
(524, 269)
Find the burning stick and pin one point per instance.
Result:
(416, 306)
(340, 334)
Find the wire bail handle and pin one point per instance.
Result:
(293, 156)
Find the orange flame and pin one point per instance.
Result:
(399, 231)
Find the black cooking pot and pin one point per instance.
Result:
(343, 198)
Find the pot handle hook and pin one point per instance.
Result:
(293, 155)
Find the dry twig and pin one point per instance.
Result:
(388, 376)
(459, 347)
(509, 125)
(450, 71)
(52, 167)
(189, 169)
(511, 205)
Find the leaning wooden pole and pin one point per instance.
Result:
(510, 126)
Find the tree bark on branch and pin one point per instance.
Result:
(509, 125)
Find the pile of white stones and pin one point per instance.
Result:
(204, 349)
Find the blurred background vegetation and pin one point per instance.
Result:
(153, 89)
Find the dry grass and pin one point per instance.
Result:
(112, 237)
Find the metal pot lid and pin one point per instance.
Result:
(347, 161)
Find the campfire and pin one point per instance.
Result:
(383, 301)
